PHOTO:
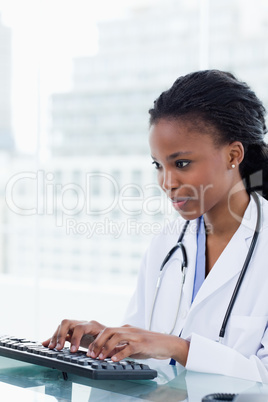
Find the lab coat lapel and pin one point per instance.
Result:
(231, 261)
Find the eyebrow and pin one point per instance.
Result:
(175, 155)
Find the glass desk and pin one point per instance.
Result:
(35, 383)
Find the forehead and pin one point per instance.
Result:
(181, 135)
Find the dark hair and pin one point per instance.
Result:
(217, 99)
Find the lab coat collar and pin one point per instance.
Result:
(248, 222)
(231, 260)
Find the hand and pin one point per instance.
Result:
(78, 333)
(127, 341)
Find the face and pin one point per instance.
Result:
(192, 170)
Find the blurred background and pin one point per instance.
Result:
(79, 201)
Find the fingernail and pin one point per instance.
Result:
(73, 348)
(58, 346)
(92, 354)
(101, 355)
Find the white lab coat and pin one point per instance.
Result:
(244, 350)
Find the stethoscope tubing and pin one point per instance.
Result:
(180, 245)
(245, 266)
(184, 265)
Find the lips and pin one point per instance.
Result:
(179, 203)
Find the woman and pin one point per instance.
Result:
(207, 140)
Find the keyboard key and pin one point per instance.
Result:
(96, 365)
(51, 353)
(145, 367)
(84, 362)
(126, 365)
(136, 366)
(75, 359)
(10, 343)
(108, 366)
(15, 345)
(60, 356)
(22, 347)
(67, 358)
(117, 366)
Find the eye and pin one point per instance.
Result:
(156, 164)
(182, 164)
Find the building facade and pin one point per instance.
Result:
(82, 218)
(141, 55)
(91, 210)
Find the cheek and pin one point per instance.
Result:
(214, 183)
(207, 181)
(198, 180)
(205, 184)
(212, 174)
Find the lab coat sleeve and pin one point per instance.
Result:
(208, 356)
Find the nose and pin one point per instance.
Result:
(169, 181)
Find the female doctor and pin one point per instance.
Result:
(207, 141)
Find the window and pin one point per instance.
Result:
(73, 133)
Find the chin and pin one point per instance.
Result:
(189, 216)
(187, 213)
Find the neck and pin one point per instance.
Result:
(225, 218)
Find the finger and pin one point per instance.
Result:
(81, 335)
(106, 342)
(46, 343)
(64, 333)
(123, 353)
(96, 346)
(51, 343)
(74, 332)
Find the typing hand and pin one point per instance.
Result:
(119, 343)
(78, 333)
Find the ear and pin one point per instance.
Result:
(235, 154)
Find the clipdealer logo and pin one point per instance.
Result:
(87, 210)
(100, 195)
(129, 227)
(113, 228)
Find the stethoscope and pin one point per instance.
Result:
(184, 265)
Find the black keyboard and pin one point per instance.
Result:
(75, 363)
